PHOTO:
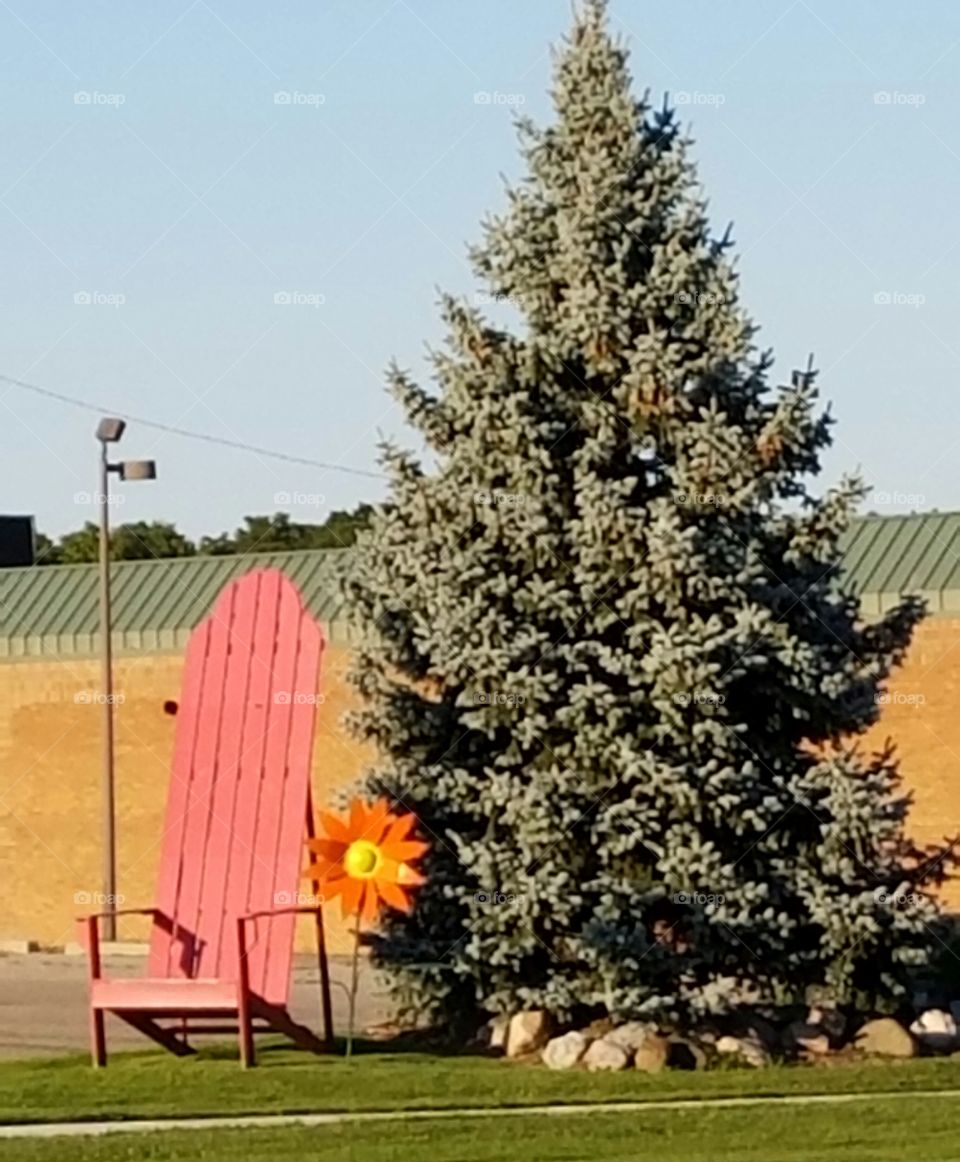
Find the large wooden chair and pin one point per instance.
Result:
(238, 813)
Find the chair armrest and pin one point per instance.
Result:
(119, 912)
(91, 924)
(301, 910)
(251, 917)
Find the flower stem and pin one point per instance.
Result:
(354, 981)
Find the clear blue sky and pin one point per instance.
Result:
(199, 198)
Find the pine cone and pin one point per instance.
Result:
(479, 348)
(769, 446)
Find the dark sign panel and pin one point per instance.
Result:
(16, 541)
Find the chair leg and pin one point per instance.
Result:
(98, 1039)
(248, 1054)
(248, 1057)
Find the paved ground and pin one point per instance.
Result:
(95, 1129)
(43, 1002)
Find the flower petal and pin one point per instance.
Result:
(318, 872)
(331, 849)
(406, 875)
(358, 818)
(394, 872)
(400, 828)
(371, 904)
(394, 895)
(377, 822)
(351, 895)
(334, 827)
(389, 870)
(405, 849)
(332, 888)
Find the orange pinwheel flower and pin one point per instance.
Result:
(365, 859)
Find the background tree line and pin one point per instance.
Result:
(141, 540)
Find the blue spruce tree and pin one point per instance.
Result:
(609, 659)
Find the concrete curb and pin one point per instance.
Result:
(107, 948)
(269, 1121)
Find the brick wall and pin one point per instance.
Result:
(922, 716)
(50, 836)
(50, 800)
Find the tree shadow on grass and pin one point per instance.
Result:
(424, 1043)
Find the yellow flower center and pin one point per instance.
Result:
(362, 859)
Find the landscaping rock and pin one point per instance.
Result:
(886, 1037)
(631, 1036)
(684, 1053)
(496, 1031)
(830, 1020)
(527, 1032)
(757, 1029)
(814, 1046)
(806, 1039)
(598, 1028)
(652, 1055)
(603, 1056)
(748, 1049)
(936, 1031)
(565, 1052)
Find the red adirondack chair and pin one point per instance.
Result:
(238, 812)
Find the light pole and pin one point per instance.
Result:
(109, 431)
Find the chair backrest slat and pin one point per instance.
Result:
(163, 943)
(280, 834)
(221, 856)
(239, 786)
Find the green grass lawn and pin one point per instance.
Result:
(876, 1131)
(149, 1084)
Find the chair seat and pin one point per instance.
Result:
(160, 995)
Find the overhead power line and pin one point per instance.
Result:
(170, 429)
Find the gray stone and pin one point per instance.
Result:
(564, 1052)
(598, 1028)
(818, 1046)
(761, 1030)
(496, 1031)
(750, 1050)
(807, 1039)
(936, 1031)
(603, 1056)
(630, 1036)
(886, 1038)
(830, 1020)
(652, 1055)
(527, 1032)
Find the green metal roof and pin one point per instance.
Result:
(918, 553)
(52, 610)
